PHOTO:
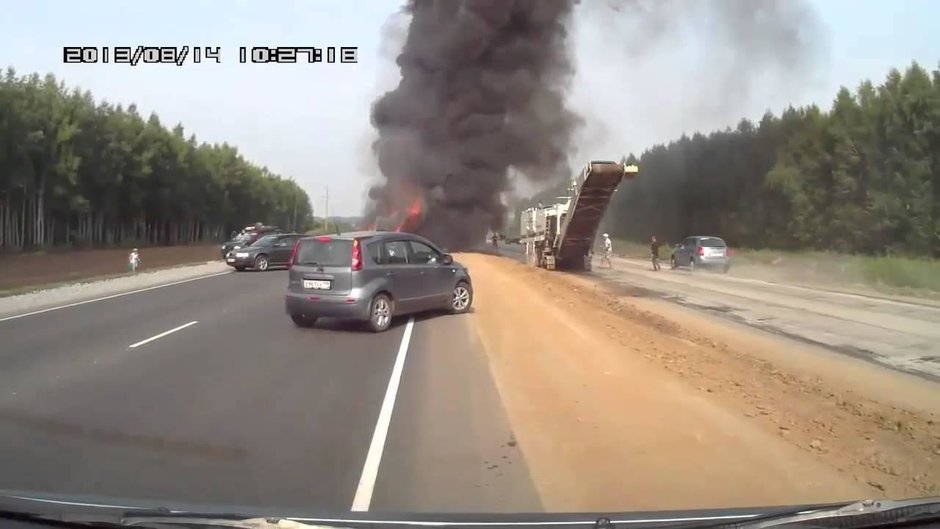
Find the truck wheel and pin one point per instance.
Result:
(380, 313)
(461, 298)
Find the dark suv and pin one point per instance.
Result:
(247, 237)
(268, 251)
(372, 276)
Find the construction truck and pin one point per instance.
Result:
(561, 235)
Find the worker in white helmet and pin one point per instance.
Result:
(133, 260)
(608, 250)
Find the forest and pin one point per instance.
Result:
(75, 172)
(862, 177)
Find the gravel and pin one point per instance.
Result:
(94, 289)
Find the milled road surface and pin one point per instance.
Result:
(901, 334)
(238, 406)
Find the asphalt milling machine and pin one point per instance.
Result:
(560, 236)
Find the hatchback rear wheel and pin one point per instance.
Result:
(303, 321)
(380, 313)
(461, 298)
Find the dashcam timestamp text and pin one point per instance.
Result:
(180, 55)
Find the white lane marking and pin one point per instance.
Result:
(112, 296)
(162, 334)
(370, 470)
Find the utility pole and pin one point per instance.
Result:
(326, 210)
(293, 216)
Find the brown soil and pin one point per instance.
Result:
(626, 405)
(39, 269)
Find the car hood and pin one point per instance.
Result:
(68, 506)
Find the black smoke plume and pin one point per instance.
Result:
(484, 83)
(482, 90)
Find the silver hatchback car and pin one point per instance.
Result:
(371, 276)
(702, 251)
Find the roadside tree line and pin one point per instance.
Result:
(74, 172)
(862, 177)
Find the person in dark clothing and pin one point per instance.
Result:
(654, 252)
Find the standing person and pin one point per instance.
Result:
(133, 260)
(654, 252)
(608, 250)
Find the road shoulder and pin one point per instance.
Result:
(85, 292)
(617, 407)
(450, 446)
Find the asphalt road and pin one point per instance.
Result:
(238, 406)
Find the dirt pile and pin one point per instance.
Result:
(617, 406)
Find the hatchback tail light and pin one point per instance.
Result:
(356, 255)
(293, 255)
(701, 251)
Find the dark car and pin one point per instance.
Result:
(247, 237)
(268, 251)
(372, 276)
(702, 251)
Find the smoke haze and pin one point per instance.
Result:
(484, 88)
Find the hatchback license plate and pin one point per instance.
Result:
(316, 284)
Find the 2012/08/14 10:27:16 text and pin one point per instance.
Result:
(178, 55)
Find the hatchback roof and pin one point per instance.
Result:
(366, 233)
(378, 235)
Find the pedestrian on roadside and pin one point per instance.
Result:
(654, 253)
(608, 251)
(133, 260)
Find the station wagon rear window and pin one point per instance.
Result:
(324, 252)
(712, 242)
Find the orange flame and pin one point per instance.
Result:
(412, 215)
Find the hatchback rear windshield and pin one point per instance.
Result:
(325, 252)
(713, 242)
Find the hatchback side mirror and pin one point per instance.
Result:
(447, 259)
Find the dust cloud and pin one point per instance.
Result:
(485, 92)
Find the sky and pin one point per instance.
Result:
(310, 122)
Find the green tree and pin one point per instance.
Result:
(862, 177)
(73, 172)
